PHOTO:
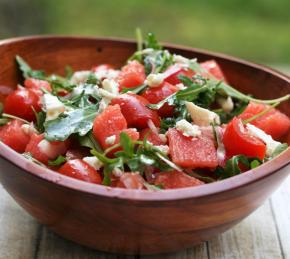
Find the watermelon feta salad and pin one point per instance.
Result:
(161, 121)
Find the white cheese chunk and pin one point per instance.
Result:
(180, 86)
(163, 138)
(93, 162)
(106, 73)
(48, 149)
(117, 172)
(80, 77)
(154, 80)
(163, 148)
(105, 94)
(180, 59)
(188, 129)
(271, 144)
(28, 129)
(201, 116)
(84, 88)
(110, 140)
(111, 86)
(53, 106)
(226, 103)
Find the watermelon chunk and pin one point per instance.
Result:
(175, 179)
(214, 69)
(110, 122)
(191, 152)
(274, 122)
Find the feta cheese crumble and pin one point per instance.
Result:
(271, 144)
(154, 80)
(80, 77)
(201, 116)
(110, 140)
(226, 103)
(28, 129)
(111, 86)
(163, 148)
(188, 129)
(53, 106)
(48, 149)
(93, 162)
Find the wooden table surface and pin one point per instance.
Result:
(264, 234)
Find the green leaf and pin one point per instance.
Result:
(27, 71)
(135, 90)
(77, 121)
(1, 108)
(151, 187)
(279, 149)
(68, 72)
(232, 166)
(40, 119)
(93, 79)
(4, 121)
(151, 42)
(58, 161)
(126, 144)
(89, 141)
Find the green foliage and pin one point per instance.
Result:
(232, 166)
(78, 121)
(58, 161)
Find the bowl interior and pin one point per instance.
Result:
(52, 54)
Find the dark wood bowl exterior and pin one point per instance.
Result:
(144, 223)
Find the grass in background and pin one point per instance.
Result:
(256, 30)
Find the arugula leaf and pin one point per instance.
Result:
(151, 42)
(89, 141)
(40, 119)
(3, 121)
(58, 161)
(27, 71)
(224, 88)
(135, 156)
(109, 165)
(232, 166)
(93, 79)
(151, 187)
(77, 121)
(68, 72)
(136, 90)
(28, 156)
(279, 149)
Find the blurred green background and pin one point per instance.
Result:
(257, 30)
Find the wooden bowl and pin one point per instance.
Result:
(129, 221)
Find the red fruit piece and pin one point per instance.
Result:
(135, 110)
(157, 94)
(175, 179)
(13, 135)
(20, 103)
(214, 69)
(151, 137)
(131, 75)
(274, 122)
(42, 150)
(80, 170)
(238, 141)
(191, 152)
(37, 85)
